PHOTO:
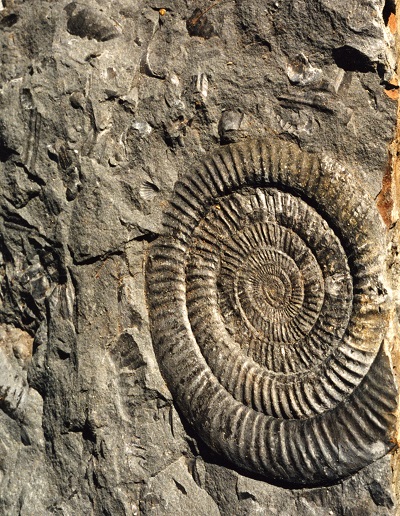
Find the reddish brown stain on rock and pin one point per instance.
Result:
(385, 198)
(392, 23)
(393, 94)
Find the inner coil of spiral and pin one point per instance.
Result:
(268, 308)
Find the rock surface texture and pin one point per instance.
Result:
(107, 112)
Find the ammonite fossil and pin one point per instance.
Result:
(268, 309)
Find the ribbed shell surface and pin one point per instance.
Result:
(268, 308)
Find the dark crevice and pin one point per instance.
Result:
(244, 495)
(35, 317)
(380, 68)
(180, 487)
(14, 221)
(147, 237)
(9, 21)
(88, 432)
(288, 102)
(94, 259)
(263, 42)
(388, 9)
(32, 177)
(25, 439)
(389, 86)
(5, 152)
(63, 355)
(352, 60)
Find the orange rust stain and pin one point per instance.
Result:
(393, 94)
(385, 201)
(392, 23)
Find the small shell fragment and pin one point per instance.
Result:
(148, 191)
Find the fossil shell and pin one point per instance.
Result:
(148, 190)
(268, 309)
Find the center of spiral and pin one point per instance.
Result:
(274, 291)
(269, 289)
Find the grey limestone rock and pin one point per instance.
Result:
(104, 107)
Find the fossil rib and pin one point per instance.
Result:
(268, 309)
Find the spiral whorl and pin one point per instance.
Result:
(268, 309)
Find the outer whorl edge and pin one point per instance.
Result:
(268, 309)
